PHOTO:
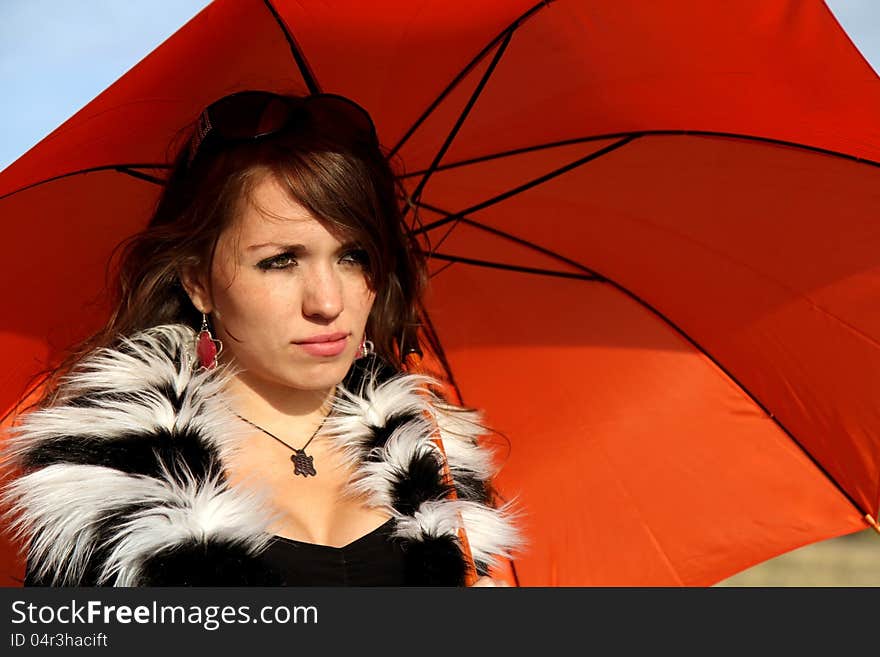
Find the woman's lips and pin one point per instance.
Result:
(333, 348)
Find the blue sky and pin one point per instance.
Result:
(56, 55)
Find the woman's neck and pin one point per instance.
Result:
(265, 401)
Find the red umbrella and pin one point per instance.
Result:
(653, 239)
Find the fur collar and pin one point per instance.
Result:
(123, 480)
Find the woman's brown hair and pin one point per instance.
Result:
(347, 184)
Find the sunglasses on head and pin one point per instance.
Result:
(248, 115)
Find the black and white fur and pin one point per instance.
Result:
(123, 479)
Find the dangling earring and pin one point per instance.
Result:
(207, 346)
(365, 349)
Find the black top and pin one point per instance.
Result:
(375, 559)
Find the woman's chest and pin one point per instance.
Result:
(314, 508)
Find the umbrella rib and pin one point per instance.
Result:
(460, 120)
(641, 133)
(525, 186)
(141, 176)
(120, 168)
(518, 151)
(509, 267)
(464, 73)
(304, 69)
(442, 269)
(519, 240)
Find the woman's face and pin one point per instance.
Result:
(279, 279)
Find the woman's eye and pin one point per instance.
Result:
(281, 261)
(357, 256)
(284, 260)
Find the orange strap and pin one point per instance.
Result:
(412, 364)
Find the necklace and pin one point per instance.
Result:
(303, 464)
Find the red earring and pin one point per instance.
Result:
(207, 347)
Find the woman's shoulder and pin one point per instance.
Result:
(126, 363)
(137, 357)
(122, 402)
(129, 456)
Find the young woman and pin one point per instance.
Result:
(246, 416)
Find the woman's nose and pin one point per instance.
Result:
(322, 296)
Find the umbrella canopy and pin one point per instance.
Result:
(655, 254)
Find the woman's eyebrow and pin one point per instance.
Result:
(289, 247)
(298, 248)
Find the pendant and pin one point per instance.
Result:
(206, 350)
(303, 464)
